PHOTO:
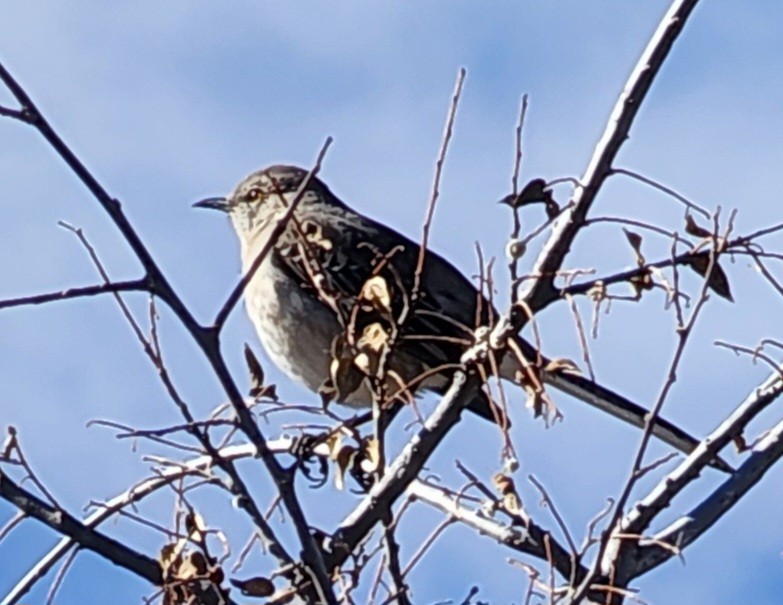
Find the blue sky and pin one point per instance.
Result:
(168, 102)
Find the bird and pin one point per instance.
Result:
(352, 309)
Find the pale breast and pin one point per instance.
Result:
(295, 329)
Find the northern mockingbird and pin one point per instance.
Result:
(335, 298)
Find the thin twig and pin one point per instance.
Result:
(661, 187)
(135, 285)
(206, 338)
(426, 544)
(553, 509)
(58, 579)
(393, 560)
(444, 147)
(684, 330)
(517, 226)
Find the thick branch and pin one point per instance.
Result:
(404, 469)
(642, 514)
(691, 526)
(166, 476)
(84, 536)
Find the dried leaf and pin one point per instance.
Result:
(364, 363)
(255, 587)
(314, 235)
(561, 364)
(375, 291)
(195, 526)
(268, 391)
(343, 460)
(344, 376)
(535, 192)
(693, 229)
(529, 378)
(328, 393)
(199, 562)
(512, 503)
(718, 281)
(642, 282)
(536, 399)
(374, 338)
(636, 243)
(370, 346)
(598, 292)
(505, 485)
(195, 566)
(256, 372)
(334, 442)
(169, 559)
(371, 458)
(217, 575)
(195, 578)
(531, 193)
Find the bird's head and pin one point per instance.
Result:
(260, 199)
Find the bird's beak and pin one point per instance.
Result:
(216, 203)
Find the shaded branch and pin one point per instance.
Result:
(132, 496)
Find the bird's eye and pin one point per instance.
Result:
(253, 194)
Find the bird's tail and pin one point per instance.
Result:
(536, 367)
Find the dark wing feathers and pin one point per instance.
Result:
(342, 257)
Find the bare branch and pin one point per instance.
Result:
(660, 497)
(206, 338)
(135, 285)
(661, 187)
(529, 540)
(414, 294)
(692, 525)
(406, 467)
(547, 501)
(513, 265)
(84, 536)
(128, 498)
(551, 258)
(610, 549)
